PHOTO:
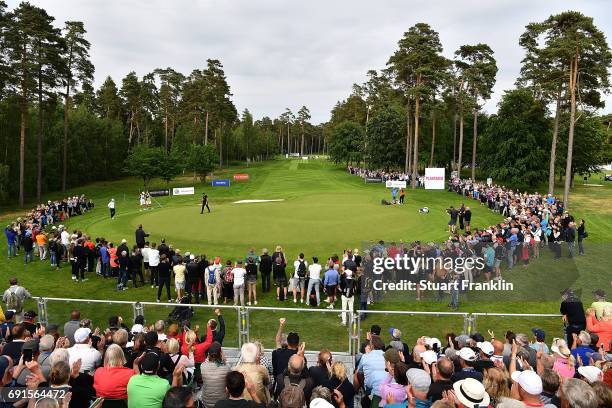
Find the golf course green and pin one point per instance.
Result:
(322, 211)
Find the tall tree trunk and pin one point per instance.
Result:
(474, 142)
(573, 76)
(459, 160)
(408, 138)
(166, 130)
(288, 139)
(433, 137)
(206, 130)
(39, 142)
(302, 145)
(553, 147)
(65, 155)
(22, 136)
(282, 140)
(415, 164)
(455, 138)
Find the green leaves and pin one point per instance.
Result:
(346, 142)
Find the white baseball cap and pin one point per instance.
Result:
(431, 341)
(590, 373)
(467, 354)
(137, 328)
(81, 334)
(486, 347)
(320, 403)
(429, 356)
(529, 380)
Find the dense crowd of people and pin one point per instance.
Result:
(175, 364)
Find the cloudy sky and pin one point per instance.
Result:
(280, 54)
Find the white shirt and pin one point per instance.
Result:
(296, 265)
(90, 357)
(145, 254)
(65, 236)
(111, 204)
(153, 257)
(239, 274)
(314, 271)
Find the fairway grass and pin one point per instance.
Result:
(324, 210)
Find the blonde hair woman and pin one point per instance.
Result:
(339, 381)
(496, 384)
(110, 381)
(602, 327)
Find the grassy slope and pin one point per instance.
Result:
(325, 210)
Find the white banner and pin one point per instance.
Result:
(489, 181)
(396, 184)
(434, 179)
(183, 191)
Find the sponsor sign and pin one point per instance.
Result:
(373, 180)
(183, 191)
(304, 157)
(434, 178)
(221, 183)
(489, 181)
(396, 183)
(241, 177)
(159, 193)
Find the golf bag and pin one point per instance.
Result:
(181, 314)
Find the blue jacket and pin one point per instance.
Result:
(11, 235)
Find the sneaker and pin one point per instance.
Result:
(248, 303)
(84, 280)
(158, 300)
(152, 286)
(330, 306)
(255, 303)
(294, 300)
(73, 277)
(301, 300)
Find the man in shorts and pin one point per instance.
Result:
(298, 281)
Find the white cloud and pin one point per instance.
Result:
(281, 54)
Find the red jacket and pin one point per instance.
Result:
(200, 349)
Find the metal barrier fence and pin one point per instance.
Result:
(244, 316)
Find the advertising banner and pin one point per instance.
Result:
(183, 191)
(241, 177)
(434, 179)
(221, 183)
(396, 184)
(489, 181)
(159, 193)
(373, 180)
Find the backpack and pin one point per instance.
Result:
(14, 302)
(229, 276)
(211, 275)
(293, 393)
(301, 271)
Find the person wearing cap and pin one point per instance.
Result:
(564, 364)
(396, 341)
(82, 349)
(467, 358)
(602, 327)
(28, 322)
(573, 315)
(347, 294)
(372, 366)
(111, 208)
(147, 389)
(239, 279)
(527, 387)
(600, 303)
(485, 352)
(540, 340)
(590, 373)
(214, 370)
